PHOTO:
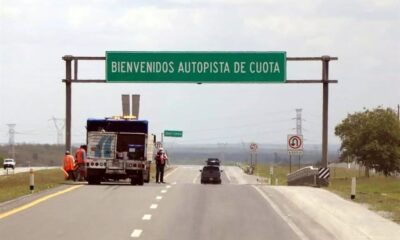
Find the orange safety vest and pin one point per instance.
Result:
(80, 155)
(69, 163)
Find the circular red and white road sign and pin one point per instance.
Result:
(295, 142)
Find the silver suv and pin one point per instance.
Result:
(9, 163)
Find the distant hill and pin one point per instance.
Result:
(52, 155)
(36, 154)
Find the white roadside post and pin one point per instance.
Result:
(353, 188)
(31, 180)
(271, 172)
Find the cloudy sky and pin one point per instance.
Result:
(35, 34)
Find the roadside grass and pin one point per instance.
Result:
(379, 193)
(279, 172)
(16, 185)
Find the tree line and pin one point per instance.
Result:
(371, 138)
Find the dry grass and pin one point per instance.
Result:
(17, 185)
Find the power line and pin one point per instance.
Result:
(59, 123)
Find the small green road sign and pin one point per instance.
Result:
(172, 133)
(196, 67)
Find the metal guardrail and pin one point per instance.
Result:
(305, 176)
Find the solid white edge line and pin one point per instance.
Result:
(227, 175)
(146, 217)
(169, 174)
(136, 233)
(291, 224)
(195, 179)
(153, 206)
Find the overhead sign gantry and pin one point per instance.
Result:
(197, 67)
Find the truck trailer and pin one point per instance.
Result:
(118, 148)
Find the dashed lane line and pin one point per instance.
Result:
(31, 204)
(153, 206)
(163, 191)
(168, 186)
(159, 197)
(146, 217)
(136, 233)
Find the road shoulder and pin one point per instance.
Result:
(342, 218)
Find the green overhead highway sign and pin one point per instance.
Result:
(172, 133)
(196, 67)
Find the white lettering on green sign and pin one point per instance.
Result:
(198, 67)
(193, 67)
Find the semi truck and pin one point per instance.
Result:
(118, 148)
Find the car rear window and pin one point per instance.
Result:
(210, 169)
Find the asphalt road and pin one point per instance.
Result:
(183, 208)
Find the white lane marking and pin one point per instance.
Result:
(159, 197)
(168, 186)
(136, 233)
(146, 217)
(174, 183)
(227, 175)
(195, 179)
(291, 224)
(169, 174)
(163, 191)
(153, 206)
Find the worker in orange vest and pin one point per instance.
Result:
(69, 164)
(80, 157)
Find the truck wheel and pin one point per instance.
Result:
(133, 181)
(140, 180)
(93, 180)
(147, 180)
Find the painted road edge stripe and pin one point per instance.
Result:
(291, 224)
(136, 233)
(168, 174)
(31, 204)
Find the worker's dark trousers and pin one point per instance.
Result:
(71, 175)
(160, 172)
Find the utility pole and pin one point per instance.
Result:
(299, 129)
(11, 140)
(59, 128)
